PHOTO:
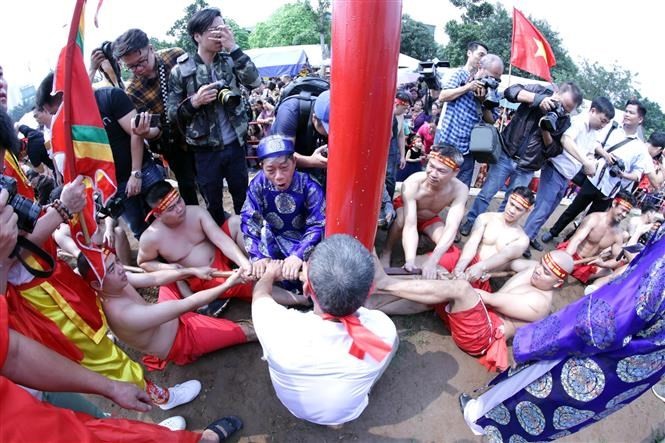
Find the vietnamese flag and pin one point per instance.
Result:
(79, 135)
(530, 51)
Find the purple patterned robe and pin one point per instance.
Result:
(583, 363)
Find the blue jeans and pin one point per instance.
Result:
(212, 167)
(496, 177)
(135, 207)
(465, 173)
(550, 192)
(391, 167)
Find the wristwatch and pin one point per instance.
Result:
(137, 174)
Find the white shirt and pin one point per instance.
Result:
(311, 369)
(585, 139)
(635, 156)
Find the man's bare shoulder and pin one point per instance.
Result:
(460, 190)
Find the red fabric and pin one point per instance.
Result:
(477, 334)
(12, 169)
(581, 272)
(197, 335)
(421, 224)
(363, 340)
(449, 260)
(24, 418)
(530, 51)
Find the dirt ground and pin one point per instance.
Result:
(415, 400)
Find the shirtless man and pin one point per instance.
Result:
(598, 231)
(480, 322)
(496, 239)
(424, 195)
(187, 236)
(165, 331)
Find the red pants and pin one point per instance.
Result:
(477, 331)
(197, 335)
(422, 224)
(449, 260)
(581, 272)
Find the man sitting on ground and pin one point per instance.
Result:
(480, 322)
(324, 363)
(165, 331)
(598, 231)
(496, 239)
(424, 195)
(284, 213)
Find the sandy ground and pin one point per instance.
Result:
(416, 399)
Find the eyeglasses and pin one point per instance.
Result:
(141, 63)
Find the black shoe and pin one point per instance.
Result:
(535, 244)
(547, 237)
(527, 253)
(464, 399)
(465, 229)
(215, 308)
(458, 237)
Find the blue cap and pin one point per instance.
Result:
(274, 146)
(322, 109)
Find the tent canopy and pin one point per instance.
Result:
(274, 62)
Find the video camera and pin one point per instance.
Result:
(617, 167)
(428, 74)
(492, 98)
(225, 95)
(27, 210)
(548, 122)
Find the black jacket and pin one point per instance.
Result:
(522, 138)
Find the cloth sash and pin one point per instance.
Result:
(364, 340)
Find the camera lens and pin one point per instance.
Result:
(27, 212)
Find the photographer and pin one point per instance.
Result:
(621, 162)
(533, 136)
(463, 97)
(205, 102)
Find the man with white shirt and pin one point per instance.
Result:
(623, 160)
(323, 363)
(579, 142)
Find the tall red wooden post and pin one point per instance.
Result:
(365, 51)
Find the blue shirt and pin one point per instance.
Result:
(460, 115)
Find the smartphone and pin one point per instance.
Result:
(155, 120)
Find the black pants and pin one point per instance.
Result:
(588, 194)
(182, 164)
(212, 167)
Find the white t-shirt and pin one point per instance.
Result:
(635, 156)
(311, 369)
(584, 138)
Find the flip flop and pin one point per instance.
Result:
(225, 426)
(215, 308)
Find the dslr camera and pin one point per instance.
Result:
(225, 95)
(113, 209)
(548, 122)
(617, 168)
(492, 98)
(27, 210)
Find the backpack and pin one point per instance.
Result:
(305, 90)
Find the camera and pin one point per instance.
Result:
(428, 74)
(225, 95)
(155, 120)
(492, 98)
(113, 209)
(27, 210)
(548, 122)
(617, 168)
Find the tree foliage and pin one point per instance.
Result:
(417, 40)
(292, 24)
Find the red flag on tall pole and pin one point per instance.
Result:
(530, 51)
(79, 135)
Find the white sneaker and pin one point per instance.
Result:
(589, 289)
(175, 423)
(181, 394)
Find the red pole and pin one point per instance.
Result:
(365, 50)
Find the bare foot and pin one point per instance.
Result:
(381, 279)
(385, 258)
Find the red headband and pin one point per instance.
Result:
(401, 102)
(625, 203)
(164, 203)
(363, 340)
(106, 251)
(520, 201)
(443, 159)
(553, 266)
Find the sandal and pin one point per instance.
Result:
(214, 309)
(225, 427)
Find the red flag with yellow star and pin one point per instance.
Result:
(530, 51)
